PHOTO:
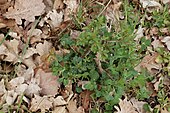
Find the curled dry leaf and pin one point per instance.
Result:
(149, 63)
(33, 88)
(54, 18)
(138, 105)
(11, 97)
(58, 4)
(157, 43)
(60, 109)
(40, 103)
(58, 101)
(139, 34)
(2, 87)
(48, 82)
(16, 82)
(44, 48)
(125, 107)
(72, 107)
(166, 40)
(71, 8)
(25, 9)
(150, 3)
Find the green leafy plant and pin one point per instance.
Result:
(105, 59)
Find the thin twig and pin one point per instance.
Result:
(104, 8)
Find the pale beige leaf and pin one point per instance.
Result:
(40, 103)
(58, 4)
(150, 3)
(2, 87)
(54, 18)
(58, 101)
(11, 97)
(48, 83)
(139, 33)
(138, 105)
(29, 62)
(71, 8)
(72, 5)
(44, 48)
(60, 109)
(35, 32)
(149, 63)
(156, 43)
(30, 52)
(16, 82)
(21, 89)
(72, 107)
(125, 107)
(33, 88)
(166, 40)
(25, 9)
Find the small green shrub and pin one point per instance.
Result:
(105, 59)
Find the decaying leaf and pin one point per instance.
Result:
(54, 18)
(72, 107)
(43, 48)
(166, 40)
(48, 82)
(33, 88)
(138, 105)
(149, 63)
(139, 34)
(125, 107)
(150, 3)
(11, 97)
(16, 82)
(41, 103)
(58, 101)
(25, 9)
(58, 4)
(71, 8)
(2, 87)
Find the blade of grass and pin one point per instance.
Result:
(5, 37)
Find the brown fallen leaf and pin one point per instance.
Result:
(2, 87)
(58, 4)
(125, 107)
(11, 96)
(54, 18)
(85, 95)
(166, 40)
(44, 48)
(25, 9)
(72, 107)
(40, 103)
(138, 105)
(149, 63)
(71, 8)
(48, 82)
(60, 109)
(32, 88)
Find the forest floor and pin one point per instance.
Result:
(85, 56)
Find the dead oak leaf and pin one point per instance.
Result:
(149, 62)
(166, 40)
(72, 107)
(125, 107)
(44, 48)
(48, 82)
(42, 103)
(2, 87)
(25, 9)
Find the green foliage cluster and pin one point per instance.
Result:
(116, 54)
(118, 57)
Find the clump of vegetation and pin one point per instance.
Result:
(105, 59)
